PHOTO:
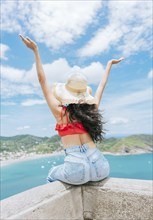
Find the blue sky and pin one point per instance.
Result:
(77, 36)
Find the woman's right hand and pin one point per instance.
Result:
(29, 43)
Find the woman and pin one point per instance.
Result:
(79, 123)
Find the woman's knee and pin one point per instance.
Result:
(50, 177)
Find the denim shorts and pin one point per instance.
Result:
(81, 165)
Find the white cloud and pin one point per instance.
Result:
(23, 127)
(93, 72)
(101, 41)
(10, 16)
(132, 99)
(139, 120)
(13, 82)
(59, 69)
(55, 71)
(118, 120)
(3, 50)
(128, 29)
(12, 74)
(5, 103)
(150, 74)
(9, 89)
(31, 102)
(128, 113)
(58, 23)
(18, 81)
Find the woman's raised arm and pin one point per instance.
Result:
(47, 91)
(102, 84)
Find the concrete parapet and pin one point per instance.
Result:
(116, 199)
(50, 201)
(110, 199)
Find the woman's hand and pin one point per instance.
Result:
(29, 43)
(113, 61)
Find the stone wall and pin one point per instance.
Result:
(110, 199)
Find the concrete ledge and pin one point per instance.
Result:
(56, 200)
(110, 199)
(117, 198)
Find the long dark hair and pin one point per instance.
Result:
(90, 117)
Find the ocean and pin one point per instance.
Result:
(21, 176)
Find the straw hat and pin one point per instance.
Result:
(75, 90)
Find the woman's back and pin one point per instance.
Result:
(71, 133)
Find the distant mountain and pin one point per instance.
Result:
(29, 144)
(131, 144)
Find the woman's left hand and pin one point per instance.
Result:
(113, 61)
(29, 43)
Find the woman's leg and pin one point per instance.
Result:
(75, 169)
(69, 172)
(51, 174)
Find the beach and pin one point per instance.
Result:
(32, 156)
(26, 157)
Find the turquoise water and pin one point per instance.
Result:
(21, 176)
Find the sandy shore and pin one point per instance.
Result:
(55, 153)
(37, 156)
(30, 157)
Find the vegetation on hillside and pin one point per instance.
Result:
(130, 144)
(30, 143)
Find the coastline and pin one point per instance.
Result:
(29, 157)
(34, 156)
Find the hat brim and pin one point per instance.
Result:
(67, 97)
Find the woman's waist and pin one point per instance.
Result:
(90, 145)
(77, 140)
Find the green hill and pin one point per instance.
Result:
(130, 144)
(29, 144)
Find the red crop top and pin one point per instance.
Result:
(69, 128)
